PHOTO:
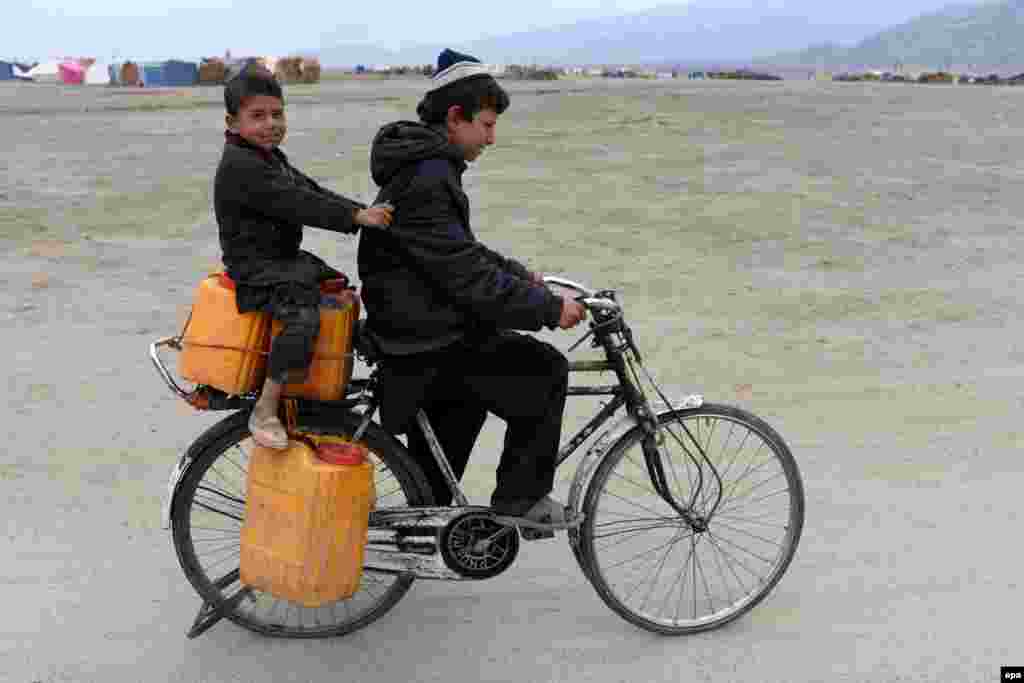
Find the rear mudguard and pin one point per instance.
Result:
(177, 474)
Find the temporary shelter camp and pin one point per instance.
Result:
(47, 72)
(6, 71)
(71, 73)
(21, 73)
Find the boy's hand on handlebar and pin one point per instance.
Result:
(378, 216)
(573, 312)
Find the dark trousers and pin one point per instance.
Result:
(292, 351)
(521, 380)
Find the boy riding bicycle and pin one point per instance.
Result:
(441, 306)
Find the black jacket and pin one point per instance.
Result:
(426, 281)
(262, 202)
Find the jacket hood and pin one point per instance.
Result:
(403, 142)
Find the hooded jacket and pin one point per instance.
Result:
(426, 281)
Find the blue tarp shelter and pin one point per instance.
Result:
(152, 75)
(177, 73)
(6, 71)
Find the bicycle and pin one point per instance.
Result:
(651, 484)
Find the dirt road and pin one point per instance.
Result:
(840, 258)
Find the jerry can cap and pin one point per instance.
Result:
(342, 453)
(224, 280)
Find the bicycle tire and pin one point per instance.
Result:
(611, 478)
(221, 588)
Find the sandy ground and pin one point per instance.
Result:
(839, 258)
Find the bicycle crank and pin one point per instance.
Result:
(446, 543)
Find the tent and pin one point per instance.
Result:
(21, 73)
(6, 71)
(152, 74)
(47, 72)
(212, 72)
(98, 74)
(176, 73)
(243, 65)
(131, 74)
(71, 73)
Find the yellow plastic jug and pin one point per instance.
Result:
(222, 348)
(306, 517)
(331, 369)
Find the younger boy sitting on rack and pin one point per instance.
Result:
(262, 202)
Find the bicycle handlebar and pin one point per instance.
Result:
(587, 296)
(568, 284)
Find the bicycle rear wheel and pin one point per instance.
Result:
(649, 565)
(206, 523)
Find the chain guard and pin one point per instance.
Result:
(474, 545)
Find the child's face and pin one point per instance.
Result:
(472, 137)
(260, 121)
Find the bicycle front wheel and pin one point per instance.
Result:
(206, 523)
(649, 565)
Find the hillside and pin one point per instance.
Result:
(699, 31)
(988, 35)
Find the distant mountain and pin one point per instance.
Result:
(980, 36)
(696, 32)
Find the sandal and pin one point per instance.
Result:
(268, 432)
(546, 515)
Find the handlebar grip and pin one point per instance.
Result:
(596, 303)
(568, 284)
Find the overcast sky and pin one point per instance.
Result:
(190, 29)
(152, 29)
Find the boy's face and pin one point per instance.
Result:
(471, 137)
(260, 121)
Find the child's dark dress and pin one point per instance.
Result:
(262, 202)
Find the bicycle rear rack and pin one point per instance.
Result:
(201, 397)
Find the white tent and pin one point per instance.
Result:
(98, 74)
(47, 72)
(20, 74)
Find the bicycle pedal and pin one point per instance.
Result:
(529, 534)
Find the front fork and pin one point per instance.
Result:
(654, 439)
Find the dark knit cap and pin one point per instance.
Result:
(454, 66)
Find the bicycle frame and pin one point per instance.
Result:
(623, 394)
(617, 392)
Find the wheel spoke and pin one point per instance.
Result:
(631, 502)
(766, 560)
(778, 524)
(752, 535)
(661, 566)
(218, 511)
(756, 500)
